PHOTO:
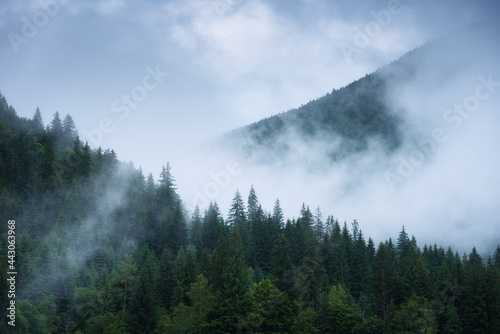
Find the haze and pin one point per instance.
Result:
(193, 70)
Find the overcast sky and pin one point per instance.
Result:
(151, 79)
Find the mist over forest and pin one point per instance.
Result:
(371, 209)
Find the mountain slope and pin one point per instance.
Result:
(347, 120)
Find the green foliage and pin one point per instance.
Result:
(414, 316)
(80, 213)
(272, 311)
(283, 269)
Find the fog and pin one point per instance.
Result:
(230, 63)
(442, 183)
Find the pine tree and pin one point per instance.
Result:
(360, 266)
(318, 225)
(229, 283)
(236, 216)
(253, 205)
(283, 269)
(47, 174)
(85, 161)
(37, 120)
(414, 277)
(309, 283)
(121, 282)
(176, 236)
(383, 279)
(166, 283)
(278, 218)
(195, 236)
(185, 274)
(475, 316)
(403, 245)
(201, 298)
(496, 258)
(56, 127)
(263, 242)
(213, 226)
(445, 302)
(69, 133)
(144, 299)
(167, 197)
(237, 219)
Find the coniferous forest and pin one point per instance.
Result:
(102, 248)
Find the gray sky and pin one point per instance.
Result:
(153, 79)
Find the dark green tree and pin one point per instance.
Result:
(278, 218)
(144, 299)
(229, 283)
(213, 227)
(165, 283)
(196, 229)
(383, 279)
(252, 205)
(282, 273)
(37, 120)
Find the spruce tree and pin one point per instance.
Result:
(282, 272)
(166, 282)
(38, 121)
(144, 299)
(56, 127)
(196, 232)
(213, 227)
(69, 133)
(278, 218)
(253, 205)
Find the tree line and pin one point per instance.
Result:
(101, 248)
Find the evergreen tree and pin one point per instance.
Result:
(47, 174)
(318, 225)
(253, 205)
(167, 196)
(237, 219)
(121, 282)
(38, 121)
(177, 232)
(360, 268)
(496, 258)
(445, 303)
(236, 216)
(213, 226)
(56, 127)
(383, 279)
(272, 311)
(230, 287)
(309, 282)
(196, 229)
(185, 274)
(69, 133)
(283, 268)
(144, 299)
(201, 298)
(414, 277)
(166, 282)
(278, 217)
(403, 245)
(475, 313)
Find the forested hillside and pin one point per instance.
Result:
(100, 248)
(350, 119)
